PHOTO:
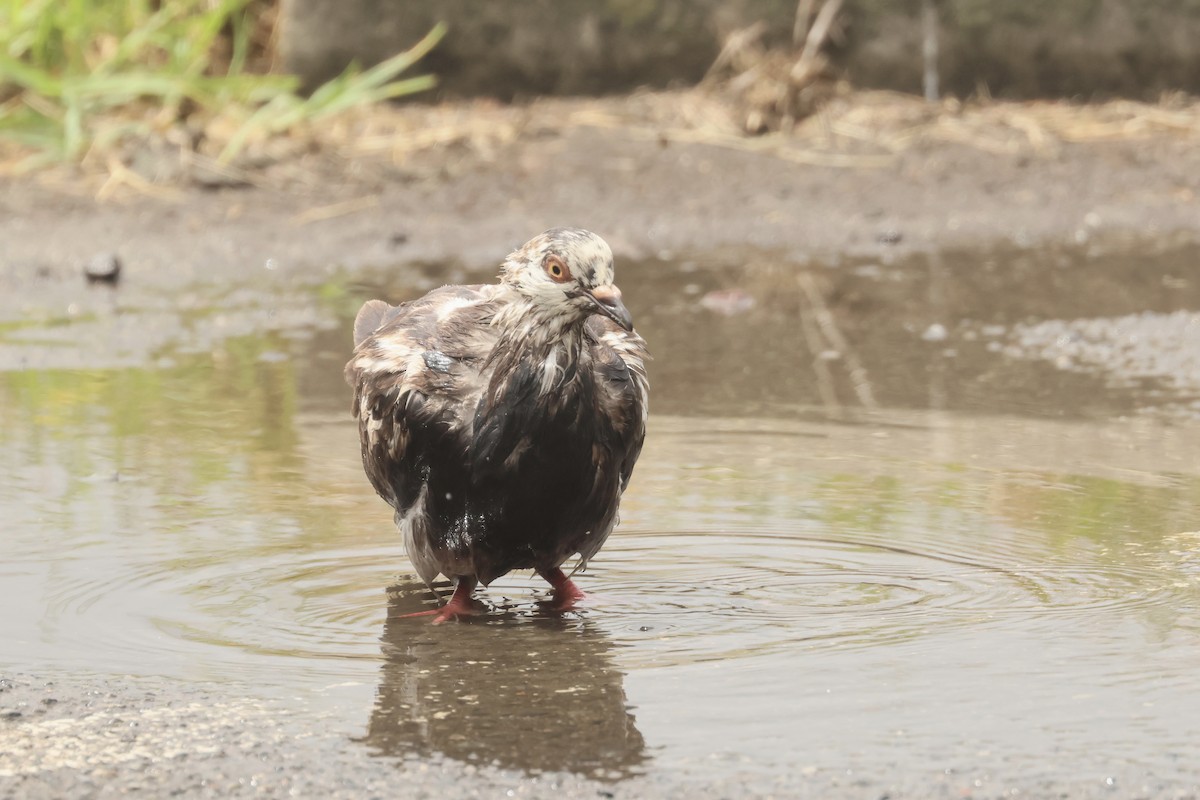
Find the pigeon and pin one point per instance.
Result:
(502, 421)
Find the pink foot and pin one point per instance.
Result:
(460, 605)
(565, 595)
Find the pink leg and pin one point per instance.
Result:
(566, 594)
(460, 605)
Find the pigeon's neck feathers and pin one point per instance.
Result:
(536, 371)
(525, 326)
(534, 341)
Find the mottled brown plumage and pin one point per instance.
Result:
(502, 422)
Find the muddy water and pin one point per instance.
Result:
(879, 528)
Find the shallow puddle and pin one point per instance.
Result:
(891, 518)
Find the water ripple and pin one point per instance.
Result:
(779, 592)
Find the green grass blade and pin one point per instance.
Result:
(78, 73)
(389, 68)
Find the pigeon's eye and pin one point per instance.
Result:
(556, 269)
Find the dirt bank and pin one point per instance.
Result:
(874, 174)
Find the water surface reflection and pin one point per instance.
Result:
(870, 530)
(523, 691)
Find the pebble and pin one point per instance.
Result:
(935, 333)
(727, 301)
(103, 268)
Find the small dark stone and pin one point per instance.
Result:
(11, 715)
(103, 268)
(398, 238)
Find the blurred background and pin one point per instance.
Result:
(219, 80)
(917, 513)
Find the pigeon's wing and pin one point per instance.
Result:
(622, 396)
(373, 315)
(415, 375)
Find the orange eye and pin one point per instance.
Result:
(556, 269)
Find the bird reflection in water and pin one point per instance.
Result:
(528, 691)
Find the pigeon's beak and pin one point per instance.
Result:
(607, 300)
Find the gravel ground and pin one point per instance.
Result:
(82, 736)
(1126, 349)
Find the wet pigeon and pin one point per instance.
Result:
(502, 421)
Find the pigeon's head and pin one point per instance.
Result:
(567, 274)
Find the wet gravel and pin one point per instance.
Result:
(113, 737)
(1128, 350)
